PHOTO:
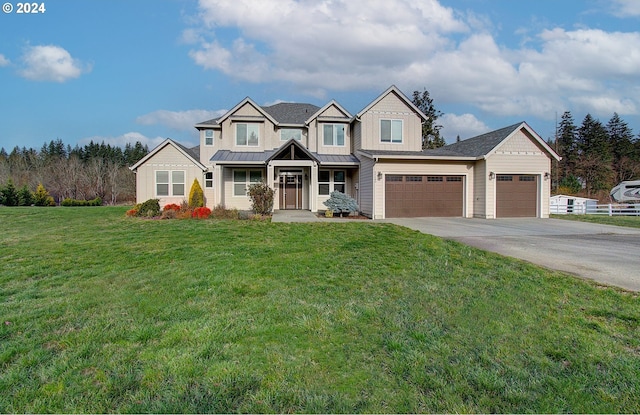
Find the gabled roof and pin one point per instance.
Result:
(403, 97)
(289, 113)
(482, 145)
(192, 154)
(249, 101)
(347, 115)
(286, 147)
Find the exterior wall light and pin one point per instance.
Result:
(492, 175)
(379, 175)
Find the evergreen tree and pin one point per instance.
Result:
(625, 159)
(196, 195)
(25, 197)
(10, 194)
(42, 198)
(594, 155)
(567, 146)
(430, 129)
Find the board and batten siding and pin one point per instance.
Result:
(169, 158)
(435, 168)
(391, 107)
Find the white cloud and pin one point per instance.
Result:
(51, 63)
(465, 126)
(179, 120)
(4, 61)
(321, 45)
(626, 8)
(124, 139)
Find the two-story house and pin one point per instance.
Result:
(305, 152)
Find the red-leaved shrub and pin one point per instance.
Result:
(172, 206)
(201, 212)
(132, 212)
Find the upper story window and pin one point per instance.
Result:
(208, 137)
(391, 131)
(333, 134)
(247, 134)
(287, 134)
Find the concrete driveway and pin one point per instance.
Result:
(607, 254)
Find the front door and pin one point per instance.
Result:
(291, 191)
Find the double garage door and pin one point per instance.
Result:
(409, 196)
(419, 196)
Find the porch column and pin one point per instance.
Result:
(313, 191)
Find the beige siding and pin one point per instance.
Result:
(480, 189)
(168, 158)
(422, 168)
(237, 202)
(206, 152)
(269, 137)
(365, 193)
(521, 143)
(391, 107)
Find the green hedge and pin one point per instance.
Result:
(74, 202)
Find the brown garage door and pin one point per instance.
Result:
(516, 195)
(417, 196)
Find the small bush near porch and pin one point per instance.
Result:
(104, 313)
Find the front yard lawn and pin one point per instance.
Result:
(629, 221)
(103, 313)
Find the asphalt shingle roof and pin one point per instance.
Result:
(291, 113)
(476, 146)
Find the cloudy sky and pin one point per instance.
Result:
(142, 70)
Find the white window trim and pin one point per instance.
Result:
(170, 183)
(391, 120)
(331, 181)
(247, 124)
(335, 135)
(247, 180)
(208, 180)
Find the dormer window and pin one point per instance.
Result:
(333, 135)
(208, 137)
(391, 131)
(247, 134)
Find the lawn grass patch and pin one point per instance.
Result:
(628, 221)
(103, 313)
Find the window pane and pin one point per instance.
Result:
(208, 180)
(338, 176)
(339, 134)
(328, 135)
(323, 175)
(241, 134)
(239, 189)
(323, 189)
(162, 176)
(253, 130)
(255, 176)
(385, 130)
(178, 189)
(396, 132)
(289, 133)
(177, 177)
(208, 137)
(240, 176)
(338, 187)
(162, 189)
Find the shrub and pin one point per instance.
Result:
(169, 213)
(9, 194)
(25, 197)
(196, 195)
(261, 196)
(220, 212)
(132, 212)
(149, 208)
(338, 202)
(202, 212)
(171, 206)
(42, 198)
(79, 202)
(570, 185)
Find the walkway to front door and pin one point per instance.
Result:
(291, 191)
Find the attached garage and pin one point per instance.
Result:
(408, 196)
(516, 195)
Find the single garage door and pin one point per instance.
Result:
(516, 195)
(418, 196)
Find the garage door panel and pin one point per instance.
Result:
(516, 195)
(416, 196)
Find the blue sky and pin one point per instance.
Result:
(142, 70)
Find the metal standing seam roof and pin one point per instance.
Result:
(239, 157)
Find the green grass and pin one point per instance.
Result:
(628, 221)
(102, 313)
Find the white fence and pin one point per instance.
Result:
(610, 209)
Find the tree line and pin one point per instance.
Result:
(595, 156)
(80, 173)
